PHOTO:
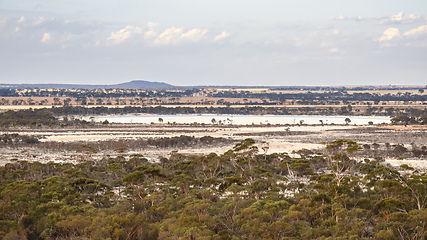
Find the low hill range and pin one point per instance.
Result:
(125, 85)
(142, 84)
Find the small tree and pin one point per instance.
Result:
(86, 151)
(347, 121)
(340, 163)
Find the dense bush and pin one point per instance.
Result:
(29, 117)
(240, 194)
(17, 138)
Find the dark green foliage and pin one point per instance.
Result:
(407, 120)
(240, 194)
(15, 138)
(29, 117)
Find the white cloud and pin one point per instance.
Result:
(401, 18)
(416, 37)
(153, 36)
(341, 17)
(389, 34)
(397, 18)
(123, 34)
(151, 33)
(3, 21)
(45, 30)
(46, 37)
(333, 50)
(414, 17)
(194, 34)
(176, 36)
(39, 20)
(419, 30)
(152, 25)
(330, 45)
(171, 35)
(222, 36)
(21, 20)
(168, 36)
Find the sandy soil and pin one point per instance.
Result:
(415, 163)
(409, 127)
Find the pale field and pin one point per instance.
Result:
(380, 92)
(200, 100)
(356, 105)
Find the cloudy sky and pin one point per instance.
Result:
(204, 42)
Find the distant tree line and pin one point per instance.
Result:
(329, 96)
(407, 120)
(94, 93)
(316, 98)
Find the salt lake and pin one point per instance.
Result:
(238, 119)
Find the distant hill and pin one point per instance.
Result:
(126, 85)
(142, 84)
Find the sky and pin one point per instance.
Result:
(205, 42)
